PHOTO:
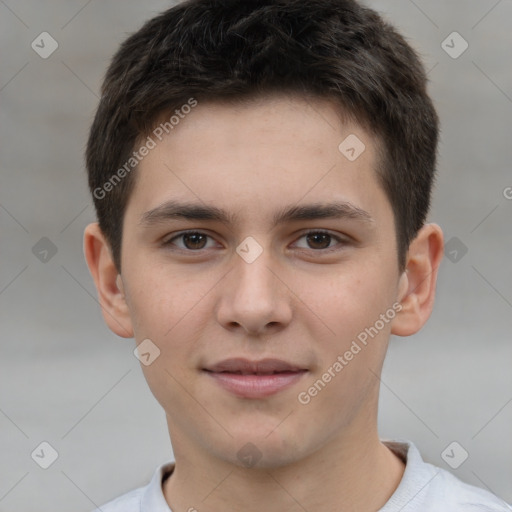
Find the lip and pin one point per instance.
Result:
(255, 379)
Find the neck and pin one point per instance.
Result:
(347, 473)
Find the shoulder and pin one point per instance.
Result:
(428, 488)
(129, 502)
(149, 498)
(458, 495)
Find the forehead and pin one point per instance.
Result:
(252, 158)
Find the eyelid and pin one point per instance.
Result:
(340, 239)
(167, 241)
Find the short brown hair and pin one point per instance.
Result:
(231, 50)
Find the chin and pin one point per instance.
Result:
(254, 449)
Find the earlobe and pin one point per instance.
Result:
(111, 293)
(417, 284)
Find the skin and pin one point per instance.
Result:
(294, 302)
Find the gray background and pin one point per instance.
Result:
(66, 379)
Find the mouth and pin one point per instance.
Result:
(255, 379)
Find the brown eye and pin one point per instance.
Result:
(190, 241)
(194, 240)
(318, 240)
(321, 241)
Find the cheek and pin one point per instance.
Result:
(353, 299)
(162, 301)
(351, 306)
(169, 313)
(177, 330)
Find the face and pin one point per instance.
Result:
(259, 294)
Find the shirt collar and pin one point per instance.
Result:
(153, 499)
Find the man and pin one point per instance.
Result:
(262, 174)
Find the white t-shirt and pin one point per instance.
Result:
(423, 488)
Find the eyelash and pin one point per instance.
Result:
(169, 241)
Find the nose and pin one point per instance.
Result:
(255, 298)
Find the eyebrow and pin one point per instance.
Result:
(193, 211)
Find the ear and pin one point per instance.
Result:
(417, 286)
(108, 282)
